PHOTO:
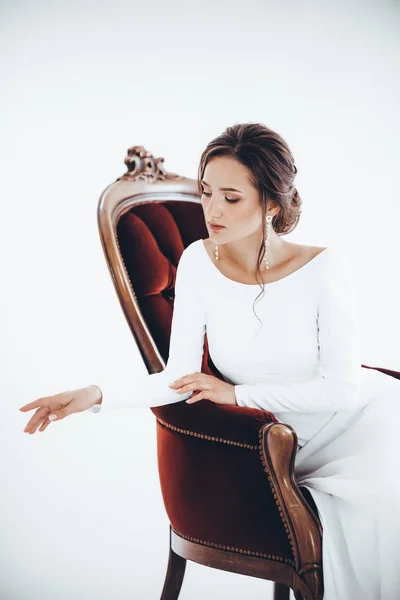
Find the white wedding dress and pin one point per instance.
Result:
(304, 365)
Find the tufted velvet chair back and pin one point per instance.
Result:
(152, 237)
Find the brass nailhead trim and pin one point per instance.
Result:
(275, 495)
(288, 561)
(207, 437)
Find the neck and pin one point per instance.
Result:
(244, 252)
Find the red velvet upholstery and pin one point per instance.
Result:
(218, 493)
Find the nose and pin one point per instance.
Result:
(211, 212)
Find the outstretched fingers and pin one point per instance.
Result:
(40, 417)
(35, 404)
(45, 423)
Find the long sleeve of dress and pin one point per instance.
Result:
(185, 350)
(337, 388)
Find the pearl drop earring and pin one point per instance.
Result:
(268, 220)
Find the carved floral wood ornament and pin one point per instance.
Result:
(142, 166)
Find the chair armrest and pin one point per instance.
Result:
(278, 450)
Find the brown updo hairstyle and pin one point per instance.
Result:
(272, 171)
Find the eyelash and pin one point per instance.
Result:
(230, 200)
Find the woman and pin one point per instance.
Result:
(303, 363)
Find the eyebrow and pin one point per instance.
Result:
(223, 189)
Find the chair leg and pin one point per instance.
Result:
(281, 591)
(174, 577)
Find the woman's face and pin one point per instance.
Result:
(238, 208)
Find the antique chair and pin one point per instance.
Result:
(214, 460)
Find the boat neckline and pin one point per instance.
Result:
(250, 285)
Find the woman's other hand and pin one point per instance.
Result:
(61, 405)
(207, 387)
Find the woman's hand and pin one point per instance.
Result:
(208, 387)
(61, 405)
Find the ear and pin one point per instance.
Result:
(273, 208)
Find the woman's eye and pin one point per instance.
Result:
(230, 200)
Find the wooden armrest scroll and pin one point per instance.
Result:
(278, 445)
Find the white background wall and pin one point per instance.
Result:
(82, 514)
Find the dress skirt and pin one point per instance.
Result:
(351, 468)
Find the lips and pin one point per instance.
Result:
(216, 227)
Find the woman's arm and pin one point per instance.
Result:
(185, 349)
(339, 349)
